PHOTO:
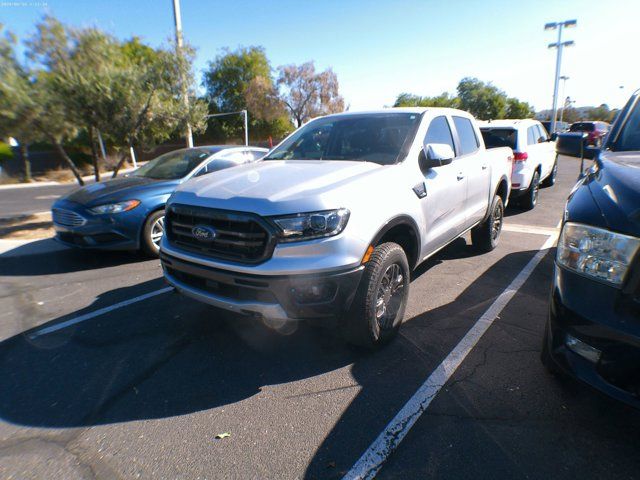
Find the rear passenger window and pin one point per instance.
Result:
(467, 135)
(532, 136)
(542, 134)
(439, 132)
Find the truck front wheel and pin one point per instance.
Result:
(485, 236)
(378, 307)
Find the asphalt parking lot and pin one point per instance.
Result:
(97, 382)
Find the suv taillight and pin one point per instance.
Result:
(520, 156)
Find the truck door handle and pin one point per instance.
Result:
(484, 167)
(460, 176)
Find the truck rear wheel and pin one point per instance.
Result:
(378, 307)
(485, 236)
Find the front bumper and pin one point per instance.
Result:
(277, 297)
(606, 319)
(106, 232)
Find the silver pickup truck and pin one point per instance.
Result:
(330, 224)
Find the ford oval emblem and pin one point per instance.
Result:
(204, 233)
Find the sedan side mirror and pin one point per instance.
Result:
(435, 155)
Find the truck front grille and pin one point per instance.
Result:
(237, 236)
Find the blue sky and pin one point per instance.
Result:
(380, 48)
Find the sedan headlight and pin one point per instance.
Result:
(596, 252)
(306, 226)
(115, 207)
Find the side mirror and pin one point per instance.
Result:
(435, 155)
(571, 144)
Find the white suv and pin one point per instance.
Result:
(535, 160)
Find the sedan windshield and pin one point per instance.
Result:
(173, 165)
(374, 138)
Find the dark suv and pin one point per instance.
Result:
(596, 131)
(593, 331)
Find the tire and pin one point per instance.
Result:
(380, 301)
(150, 241)
(530, 199)
(550, 181)
(486, 235)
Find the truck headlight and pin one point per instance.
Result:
(596, 252)
(115, 207)
(306, 226)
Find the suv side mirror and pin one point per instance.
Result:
(435, 155)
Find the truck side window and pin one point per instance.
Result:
(532, 136)
(466, 134)
(439, 132)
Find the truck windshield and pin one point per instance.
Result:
(376, 138)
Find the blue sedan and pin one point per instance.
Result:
(128, 213)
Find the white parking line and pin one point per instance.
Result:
(97, 313)
(374, 457)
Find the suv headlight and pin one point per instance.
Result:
(306, 226)
(596, 252)
(115, 207)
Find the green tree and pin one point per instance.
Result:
(518, 109)
(239, 80)
(19, 109)
(442, 100)
(482, 100)
(307, 93)
(602, 113)
(83, 64)
(149, 98)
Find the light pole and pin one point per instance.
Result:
(246, 122)
(185, 94)
(559, 45)
(564, 79)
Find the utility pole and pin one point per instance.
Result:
(564, 79)
(559, 45)
(185, 94)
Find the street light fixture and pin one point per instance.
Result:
(558, 45)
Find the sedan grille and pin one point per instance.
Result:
(238, 236)
(67, 218)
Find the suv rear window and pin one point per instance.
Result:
(500, 137)
(582, 127)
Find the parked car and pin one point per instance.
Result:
(329, 226)
(596, 131)
(560, 126)
(128, 213)
(535, 159)
(593, 330)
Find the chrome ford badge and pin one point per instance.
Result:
(204, 233)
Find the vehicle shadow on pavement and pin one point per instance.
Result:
(38, 258)
(160, 357)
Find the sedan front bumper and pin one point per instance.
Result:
(78, 228)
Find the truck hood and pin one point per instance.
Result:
(616, 190)
(119, 189)
(277, 186)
